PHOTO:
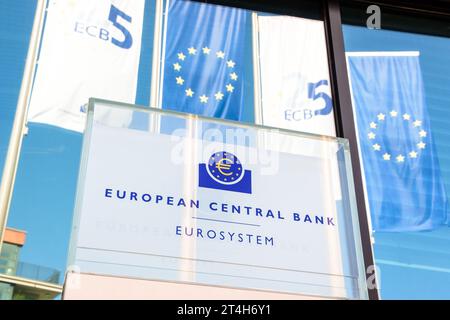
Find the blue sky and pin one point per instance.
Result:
(46, 181)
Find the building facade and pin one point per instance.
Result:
(20, 280)
(372, 72)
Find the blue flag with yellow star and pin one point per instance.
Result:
(402, 174)
(204, 69)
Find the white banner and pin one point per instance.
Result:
(89, 49)
(295, 81)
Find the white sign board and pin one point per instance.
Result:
(156, 205)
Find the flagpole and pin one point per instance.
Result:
(18, 129)
(156, 64)
(163, 54)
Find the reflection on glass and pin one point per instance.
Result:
(225, 60)
(400, 88)
(245, 65)
(216, 202)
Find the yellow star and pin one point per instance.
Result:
(393, 113)
(422, 133)
(381, 116)
(192, 50)
(413, 154)
(421, 145)
(206, 50)
(189, 92)
(376, 147)
(417, 123)
(231, 63)
(387, 156)
(233, 76)
(400, 158)
(219, 95)
(229, 87)
(203, 99)
(371, 135)
(406, 116)
(181, 56)
(180, 80)
(373, 125)
(220, 54)
(177, 66)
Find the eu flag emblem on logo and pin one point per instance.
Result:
(224, 171)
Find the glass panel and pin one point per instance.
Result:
(6, 291)
(44, 190)
(39, 273)
(246, 65)
(202, 203)
(9, 259)
(401, 88)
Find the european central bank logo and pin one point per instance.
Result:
(224, 171)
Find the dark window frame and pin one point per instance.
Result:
(345, 127)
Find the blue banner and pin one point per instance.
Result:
(402, 173)
(204, 69)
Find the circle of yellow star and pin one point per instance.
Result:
(400, 157)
